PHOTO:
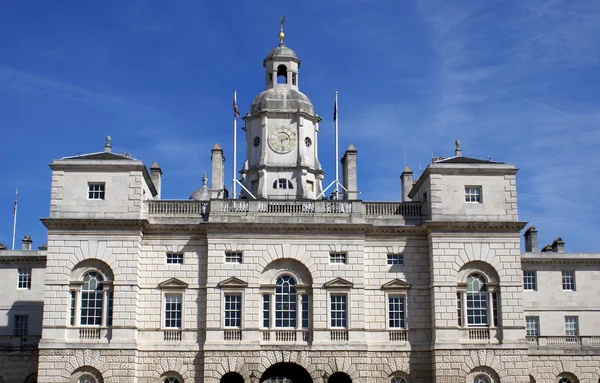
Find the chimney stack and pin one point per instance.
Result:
(349, 180)
(558, 245)
(406, 181)
(217, 183)
(155, 176)
(530, 236)
(26, 243)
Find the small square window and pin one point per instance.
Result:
(473, 194)
(532, 326)
(96, 190)
(571, 326)
(175, 258)
(337, 258)
(21, 325)
(568, 280)
(24, 280)
(529, 280)
(233, 257)
(395, 259)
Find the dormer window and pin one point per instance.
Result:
(283, 183)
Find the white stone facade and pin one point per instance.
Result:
(432, 289)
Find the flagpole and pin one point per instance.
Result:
(234, 143)
(15, 218)
(337, 178)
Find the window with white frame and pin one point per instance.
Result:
(282, 183)
(459, 310)
(173, 310)
(305, 313)
(21, 325)
(398, 379)
(91, 299)
(175, 258)
(337, 258)
(339, 310)
(532, 326)
(396, 311)
(266, 310)
(568, 280)
(571, 326)
(24, 278)
(477, 300)
(285, 302)
(233, 257)
(87, 378)
(233, 310)
(395, 259)
(96, 190)
(472, 193)
(529, 280)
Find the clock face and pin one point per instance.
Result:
(282, 140)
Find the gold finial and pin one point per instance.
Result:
(281, 34)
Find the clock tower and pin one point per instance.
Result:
(281, 134)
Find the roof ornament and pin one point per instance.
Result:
(108, 147)
(204, 180)
(458, 150)
(281, 34)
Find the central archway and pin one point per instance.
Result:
(286, 373)
(340, 377)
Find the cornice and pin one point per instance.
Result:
(560, 261)
(22, 258)
(90, 224)
(449, 226)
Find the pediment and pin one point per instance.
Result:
(233, 283)
(395, 284)
(338, 283)
(173, 283)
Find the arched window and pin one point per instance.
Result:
(171, 379)
(87, 378)
(564, 380)
(282, 74)
(477, 301)
(481, 379)
(91, 302)
(397, 379)
(283, 183)
(285, 302)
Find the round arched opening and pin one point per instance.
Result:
(286, 373)
(232, 377)
(282, 74)
(340, 377)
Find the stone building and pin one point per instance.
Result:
(284, 285)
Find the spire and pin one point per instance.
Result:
(281, 34)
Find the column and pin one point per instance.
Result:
(490, 308)
(104, 308)
(77, 308)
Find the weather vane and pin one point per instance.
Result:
(281, 34)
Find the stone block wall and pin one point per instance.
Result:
(15, 367)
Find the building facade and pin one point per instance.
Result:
(284, 285)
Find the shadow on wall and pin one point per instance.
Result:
(19, 341)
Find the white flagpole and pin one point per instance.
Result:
(234, 145)
(337, 178)
(15, 218)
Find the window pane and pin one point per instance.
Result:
(21, 325)
(24, 278)
(571, 326)
(233, 310)
(568, 280)
(266, 310)
(395, 259)
(532, 326)
(285, 302)
(95, 190)
(233, 257)
(529, 280)
(339, 310)
(175, 258)
(477, 300)
(396, 312)
(91, 299)
(305, 306)
(173, 311)
(337, 257)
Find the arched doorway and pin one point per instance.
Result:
(232, 377)
(286, 373)
(339, 377)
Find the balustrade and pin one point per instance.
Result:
(174, 207)
(232, 335)
(398, 335)
(339, 335)
(393, 208)
(10, 342)
(172, 335)
(479, 333)
(89, 333)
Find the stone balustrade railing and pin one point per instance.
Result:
(286, 336)
(562, 342)
(89, 333)
(338, 335)
(19, 343)
(398, 335)
(160, 208)
(232, 335)
(172, 335)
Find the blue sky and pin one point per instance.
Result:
(513, 80)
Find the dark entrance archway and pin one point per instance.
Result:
(340, 377)
(286, 373)
(232, 377)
